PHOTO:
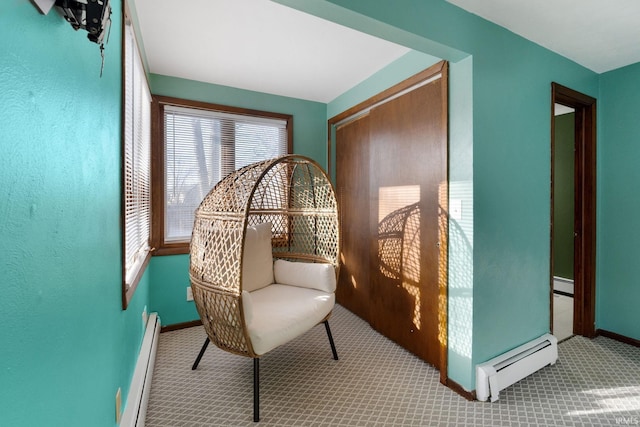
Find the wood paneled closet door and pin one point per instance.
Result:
(391, 175)
(352, 176)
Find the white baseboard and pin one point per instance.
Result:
(136, 408)
(563, 285)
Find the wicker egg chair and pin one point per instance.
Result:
(293, 198)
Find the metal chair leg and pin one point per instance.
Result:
(333, 346)
(202, 350)
(256, 390)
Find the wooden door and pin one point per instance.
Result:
(408, 148)
(392, 183)
(352, 177)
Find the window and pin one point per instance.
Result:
(195, 146)
(136, 170)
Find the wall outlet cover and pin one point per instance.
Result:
(189, 294)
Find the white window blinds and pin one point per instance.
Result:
(201, 148)
(137, 160)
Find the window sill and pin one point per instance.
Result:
(174, 249)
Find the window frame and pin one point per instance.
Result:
(129, 287)
(158, 175)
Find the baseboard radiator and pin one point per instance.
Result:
(512, 366)
(136, 408)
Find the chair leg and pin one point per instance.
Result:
(256, 390)
(333, 346)
(202, 350)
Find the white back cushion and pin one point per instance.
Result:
(257, 266)
(306, 275)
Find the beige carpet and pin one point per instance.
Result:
(377, 383)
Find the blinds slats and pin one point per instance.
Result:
(137, 158)
(201, 148)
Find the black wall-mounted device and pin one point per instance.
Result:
(91, 15)
(94, 16)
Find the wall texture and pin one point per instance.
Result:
(66, 343)
(618, 289)
(503, 167)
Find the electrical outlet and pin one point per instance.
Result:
(118, 405)
(455, 209)
(189, 294)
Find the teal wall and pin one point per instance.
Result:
(170, 274)
(618, 270)
(66, 344)
(563, 195)
(461, 230)
(500, 165)
(511, 164)
(170, 278)
(511, 155)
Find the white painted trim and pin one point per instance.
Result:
(138, 397)
(563, 285)
(512, 366)
(366, 110)
(560, 110)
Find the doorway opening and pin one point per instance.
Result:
(573, 213)
(563, 221)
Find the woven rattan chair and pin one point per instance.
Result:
(245, 299)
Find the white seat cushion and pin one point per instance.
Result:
(305, 274)
(280, 313)
(257, 263)
(247, 307)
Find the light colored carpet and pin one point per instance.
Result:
(377, 383)
(562, 316)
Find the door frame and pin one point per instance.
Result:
(585, 207)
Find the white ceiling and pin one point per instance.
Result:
(601, 35)
(267, 47)
(259, 45)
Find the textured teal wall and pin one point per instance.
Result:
(460, 304)
(563, 196)
(511, 155)
(170, 274)
(66, 345)
(618, 287)
(170, 278)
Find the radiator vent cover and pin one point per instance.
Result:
(514, 365)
